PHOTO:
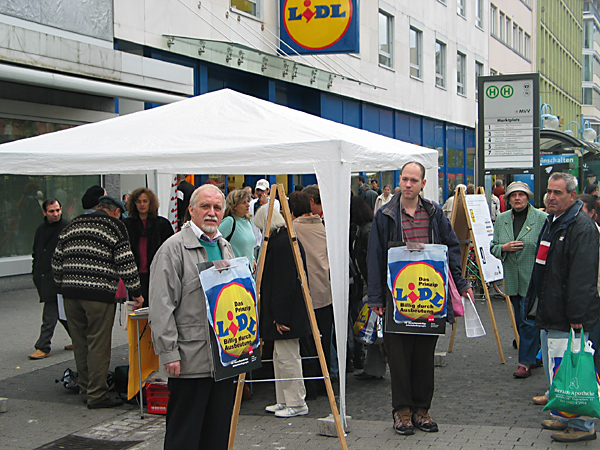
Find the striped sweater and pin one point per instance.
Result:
(93, 252)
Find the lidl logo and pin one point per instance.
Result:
(419, 292)
(319, 26)
(235, 320)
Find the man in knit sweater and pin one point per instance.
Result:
(92, 253)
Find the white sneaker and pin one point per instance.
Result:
(293, 411)
(275, 408)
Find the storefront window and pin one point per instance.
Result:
(21, 196)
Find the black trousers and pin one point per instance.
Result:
(411, 361)
(199, 414)
(49, 320)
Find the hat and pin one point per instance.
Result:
(91, 196)
(263, 185)
(118, 203)
(518, 186)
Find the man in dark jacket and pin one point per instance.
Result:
(100, 240)
(184, 193)
(44, 243)
(410, 218)
(563, 292)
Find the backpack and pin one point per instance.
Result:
(69, 380)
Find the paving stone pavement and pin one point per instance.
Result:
(477, 402)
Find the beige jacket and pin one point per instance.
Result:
(311, 233)
(178, 318)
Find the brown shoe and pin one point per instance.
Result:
(573, 435)
(423, 421)
(69, 347)
(540, 400)
(402, 422)
(554, 424)
(38, 354)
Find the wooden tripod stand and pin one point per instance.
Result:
(278, 188)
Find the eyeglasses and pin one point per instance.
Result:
(141, 202)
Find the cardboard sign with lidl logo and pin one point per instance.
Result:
(231, 305)
(319, 26)
(417, 283)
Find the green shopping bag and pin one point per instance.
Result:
(574, 388)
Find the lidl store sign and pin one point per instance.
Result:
(319, 26)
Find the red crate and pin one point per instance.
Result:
(157, 397)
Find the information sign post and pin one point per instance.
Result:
(509, 127)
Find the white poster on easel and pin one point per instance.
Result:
(483, 233)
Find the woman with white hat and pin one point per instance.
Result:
(516, 234)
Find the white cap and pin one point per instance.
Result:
(263, 185)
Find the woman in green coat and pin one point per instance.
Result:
(516, 233)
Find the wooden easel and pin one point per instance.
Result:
(464, 231)
(279, 189)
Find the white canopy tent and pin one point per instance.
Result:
(227, 132)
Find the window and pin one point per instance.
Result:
(461, 7)
(588, 34)
(527, 46)
(386, 39)
(587, 68)
(440, 64)
(520, 46)
(515, 36)
(416, 52)
(587, 95)
(501, 26)
(478, 73)
(493, 72)
(251, 7)
(479, 13)
(461, 74)
(507, 35)
(493, 20)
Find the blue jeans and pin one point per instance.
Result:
(579, 423)
(529, 336)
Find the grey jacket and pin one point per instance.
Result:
(178, 319)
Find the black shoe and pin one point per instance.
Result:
(365, 376)
(106, 403)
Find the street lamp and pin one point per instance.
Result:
(586, 132)
(549, 120)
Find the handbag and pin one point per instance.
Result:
(574, 387)
(457, 304)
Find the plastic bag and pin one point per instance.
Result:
(417, 279)
(574, 387)
(473, 324)
(367, 327)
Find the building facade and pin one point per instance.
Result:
(413, 78)
(590, 107)
(559, 58)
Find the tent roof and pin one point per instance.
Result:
(218, 132)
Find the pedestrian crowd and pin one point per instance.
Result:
(124, 249)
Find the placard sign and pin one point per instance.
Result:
(417, 282)
(483, 232)
(231, 305)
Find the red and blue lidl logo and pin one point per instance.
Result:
(319, 26)
(419, 293)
